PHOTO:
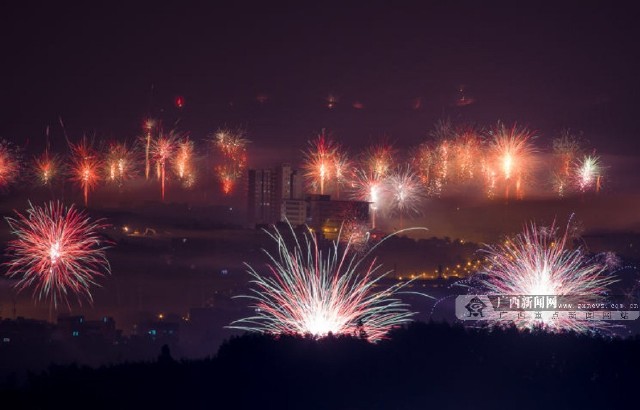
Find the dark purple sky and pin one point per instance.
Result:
(546, 66)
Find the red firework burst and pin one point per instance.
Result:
(232, 149)
(85, 168)
(58, 251)
(163, 149)
(9, 164)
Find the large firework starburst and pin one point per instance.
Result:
(310, 291)
(540, 262)
(58, 252)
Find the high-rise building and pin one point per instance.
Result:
(276, 195)
(261, 196)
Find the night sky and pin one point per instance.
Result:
(104, 68)
(367, 72)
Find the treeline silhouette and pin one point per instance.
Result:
(421, 366)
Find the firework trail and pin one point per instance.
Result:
(58, 252)
(539, 262)
(232, 146)
(162, 149)
(316, 293)
(183, 162)
(320, 162)
(85, 166)
(9, 164)
(46, 167)
(148, 138)
(119, 163)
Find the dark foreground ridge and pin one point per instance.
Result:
(421, 366)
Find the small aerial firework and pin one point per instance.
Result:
(588, 174)
(232, 147)
(119, 163)
(163, 148)
(85, 167)
(539, 262)
(58, 251)
(9, 164)
(332, 101)
(183, 162)
(47, 167)
(512, 151)
(179, 102)
(316, 293)
(405, 192)
(320, 162)
(463, 99)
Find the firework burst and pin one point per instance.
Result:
(232, 147)
(378, 159)
(467, 149)
(320, 162)
(85, 166)
(539, 262)
(9, 164)
(566, 148)
(405, 192)
(587, 173)
(183, 165)
(367, 187)
(316, 293)
(46, 167)
(342, 171)
(119, 163)
(58, 252)
(422, 159)
(512, 151)
(162, 149)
